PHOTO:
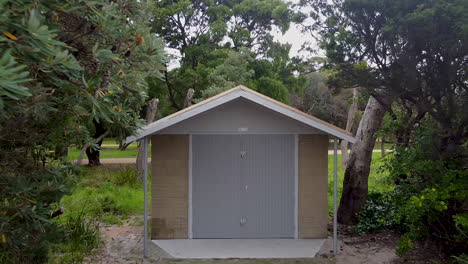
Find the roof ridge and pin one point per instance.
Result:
(153, 126)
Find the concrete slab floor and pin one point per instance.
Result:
(241, 248)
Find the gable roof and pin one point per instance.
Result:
(251, 95)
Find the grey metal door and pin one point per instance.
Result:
(215, 186)
(267, 175)
(243, 186)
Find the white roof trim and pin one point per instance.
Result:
(236, 93)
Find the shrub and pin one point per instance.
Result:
(404, 245)
(431, 193)
(378, 214)
(26, 200)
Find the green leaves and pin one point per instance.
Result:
(12, 76)
(39, 31)
(105, 55)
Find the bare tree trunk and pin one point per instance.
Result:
(382, 146)
(87, 145)
(149, 118)
(189, 97)
(355, 185)
(349, 126)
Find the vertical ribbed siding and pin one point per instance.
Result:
(268, 172)
(220, 176)
(215, 195)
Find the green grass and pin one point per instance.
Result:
(110, 149)
(111, 141)
(377, 178)
(101, 195)
(377, 146)
(110, 152)
(107, 189)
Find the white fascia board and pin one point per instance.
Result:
(284, 111)
(169, 121)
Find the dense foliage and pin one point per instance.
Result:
(411, 56)
(380, 213)
(431, 190)
(69, 72)
(428, 201)
(223, 44)
(27, 195)
(74, 72)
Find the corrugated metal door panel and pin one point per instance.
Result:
(215, 180)
(267, 190)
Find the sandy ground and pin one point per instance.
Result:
(355, 249)
(123, 244)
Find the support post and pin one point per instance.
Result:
(335, 193)
(145, 194)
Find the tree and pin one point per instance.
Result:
(355, 184)
(207, 33)
(232, 71)
(67, 69)
(413, 52)
(115, 65)
(352, 112)
(321, 100)
(151, 109)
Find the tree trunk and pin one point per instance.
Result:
(189, 97)
(87, 146)
(349, 126)
(94, 154)
(149, 118)
(356, 176)
(382, 146)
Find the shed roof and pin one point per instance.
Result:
(251, 95)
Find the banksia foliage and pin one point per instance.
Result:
(55, 56)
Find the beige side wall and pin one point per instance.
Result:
(169, 162)
(313, 181)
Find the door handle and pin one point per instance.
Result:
(243, 221)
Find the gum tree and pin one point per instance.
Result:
(413, 53)
(208, 33)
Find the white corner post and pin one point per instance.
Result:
(145, 194)
(335, 193)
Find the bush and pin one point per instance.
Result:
(26, 199)
(404, 245)
(378, 214)
(430, 193)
